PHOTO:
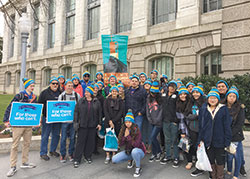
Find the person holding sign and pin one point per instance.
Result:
(51, 93)
(87, 118)
(68, 95)
(25, 96)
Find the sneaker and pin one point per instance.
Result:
(88, 160)
(28, 165)
(158, 157)
(165, 160)
(196, 173)
(71, 158)
(55, 154)
(137, 172)
(243, 171)
(63, 159)
(107, 160)
(131, 164)
(76, 164)
(45, 157)
(152, 158)
(11, 172)
(175, 163)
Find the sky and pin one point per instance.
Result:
(2, 20)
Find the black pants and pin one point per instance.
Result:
(193, 148)
(216, 155)
(85, 143)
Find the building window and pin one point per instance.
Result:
(51, 23)
(36, 26)
(93, 18)
(12, 36)
(212, 63)
(91, 68)
(70, 21)
(8, 79)
(124, 15)
(46, 76)
(67, 72)
(163, 11)
(32, 74)
(165, 65)
(211, 5)
(18, 79)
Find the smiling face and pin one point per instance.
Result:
(87, 94)
(75, 81)
(222, 88)
(121, 90)
(86, 77)
(69, 87)
(98, 77)
(190, 88)
(30, 88)
(114, 93)
(112, 81)
(54, 85)
(128, 124)
(61, 80)
(213, 101)
(196, 95)
(183, 96)
(147, 86)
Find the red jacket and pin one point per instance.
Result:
(79, 90)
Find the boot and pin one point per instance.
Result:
(219, 171)
(213, 173)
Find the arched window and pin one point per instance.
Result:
(91, 68)
(46, 76)
(32, 74)
(8, 79)
(211, 63)
(67, 72)
(164, 64)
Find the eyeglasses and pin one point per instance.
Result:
(54, 83)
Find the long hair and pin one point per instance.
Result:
(133, 132)
(156, 97)
(235, 109)
(181, 106)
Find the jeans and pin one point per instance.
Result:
(146, 131)
(53, 128)
(138, 121)
(156, 148)
(136, 155)
(170, 131)
(65, 128)
(237, 160)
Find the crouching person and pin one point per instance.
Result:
(67, 127)
(87, 118)
(25, 96)
(130, 136)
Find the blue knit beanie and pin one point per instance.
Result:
(142, 73)
(114, 88)
(233, 90)
(75, 77)
(53, 78)
(222, 81)
(113, 76)
(27, 82)
(68, 80)
(90, 90)
(214, 93)
(199, 89)
(99, 73)
(129, 116)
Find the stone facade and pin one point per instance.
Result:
(186, 39)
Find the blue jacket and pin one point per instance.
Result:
(20, 97)
(136, 100)
(222, 133)
(85, 85)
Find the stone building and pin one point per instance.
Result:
(188, 38)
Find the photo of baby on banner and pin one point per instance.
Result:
(114, 49)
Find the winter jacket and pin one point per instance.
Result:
(135, 100)
(169, 107)
(85, 85)
(46, 95)
(237, 124)
(154, 113)
(130, 144)
(20, 97)
(101, 99)
(79, 90)
(220, 135)
(113, 110)
(86, 117)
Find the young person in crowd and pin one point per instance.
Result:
(222, 87)
(121, 91)
(99, 77)
(143, 77)
(112, 82)
(215, 132)
(77, 87)
(130, 136)
(154, 116)
(50, 93)
(170, 124)
(87, 118)
(237, 112)
(85, 82)
(135, 99)
(67, 128)
(154, 75)
(190, 85)
(61, 80)
(25, 96)
(163, 82)
(101, 88)
(114, 109)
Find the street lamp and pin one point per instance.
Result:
(24, 25)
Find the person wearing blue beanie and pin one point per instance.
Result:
(77, 87)
(173, 83)
(68, 80)
(114, 88)
(61, 80)
(183, 90)
(223, 87)
(198, 89)
(27, 82)
(190, 85)
(233, 90)
(85, 82)
(90, 90)
(143, 77)
(154, 75)
(99, 77)
(135, 76)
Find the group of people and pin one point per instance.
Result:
(148, 116)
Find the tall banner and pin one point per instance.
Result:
(25, 114)
(60, 111)
(114, 50)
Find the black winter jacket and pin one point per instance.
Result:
(169, 108)
(154, 113)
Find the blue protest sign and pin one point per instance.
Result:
(60, 111)
(25, 114)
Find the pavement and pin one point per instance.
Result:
(53, 169)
